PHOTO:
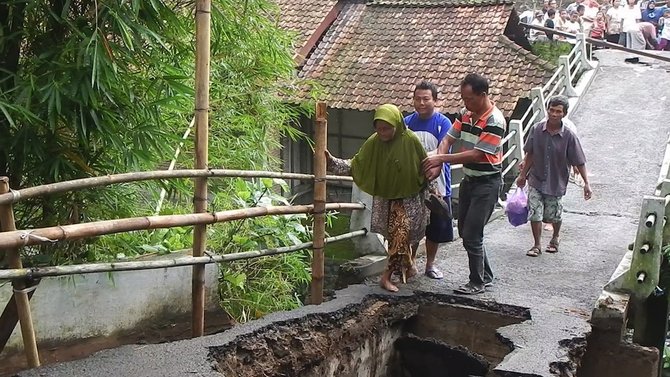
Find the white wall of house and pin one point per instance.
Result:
(101, 304)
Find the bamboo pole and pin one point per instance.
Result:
(35, 272)
(319, 213)
(202, 40)
(177, 151)
(38, 236)
(10, 316)
(85, 183)
(20, 295)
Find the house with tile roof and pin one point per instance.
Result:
(363, 53)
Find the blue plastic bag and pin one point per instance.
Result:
(517, 207)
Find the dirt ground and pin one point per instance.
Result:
(298, 349)
(147, 333)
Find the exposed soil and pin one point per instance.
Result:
(147, 333)
(366, 339)
(296, 348)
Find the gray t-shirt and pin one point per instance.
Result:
(552, 157)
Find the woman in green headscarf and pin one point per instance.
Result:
(388, 167)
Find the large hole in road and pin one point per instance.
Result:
(422, 336)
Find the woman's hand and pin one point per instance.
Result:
(433, 173)
(432, 166)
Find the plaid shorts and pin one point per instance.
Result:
(545, 208)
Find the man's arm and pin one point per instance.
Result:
(445, 145)
(443, 156)
(587, 187)
(527, 164)
(488, 142)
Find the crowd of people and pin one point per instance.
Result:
(626, 22)
(405, 166)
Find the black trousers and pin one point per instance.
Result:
(477, 197)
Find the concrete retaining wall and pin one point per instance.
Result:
(84, 306)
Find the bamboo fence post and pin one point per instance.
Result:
(319, 229)
(202, 41)
(20, 295)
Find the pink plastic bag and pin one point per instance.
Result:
(517, 207)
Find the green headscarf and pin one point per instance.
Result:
(391, 170)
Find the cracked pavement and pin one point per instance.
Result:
(624, 140)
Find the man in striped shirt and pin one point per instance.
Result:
(480, 127)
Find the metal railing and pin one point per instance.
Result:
(570, 68)
(562, 82)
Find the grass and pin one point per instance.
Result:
(550, 51)
(343, 250)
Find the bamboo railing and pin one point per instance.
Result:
(38, 272)
(12, 240)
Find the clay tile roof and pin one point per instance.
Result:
(376, 52)
(303, 17)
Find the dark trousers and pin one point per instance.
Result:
(477, 198)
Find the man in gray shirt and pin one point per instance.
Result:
(551, 148)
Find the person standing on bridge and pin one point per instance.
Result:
(480, 128)
(388, 167)
(551, 148)
(431, 126)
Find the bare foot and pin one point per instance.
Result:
(548, 227)
(386, 284)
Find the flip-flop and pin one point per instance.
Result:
(434, 273)
(534, 252)
(553, 246)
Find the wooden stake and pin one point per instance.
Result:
(319, 214)
(20, 295)
(202, 40)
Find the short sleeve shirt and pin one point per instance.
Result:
(630, 17)
(552, 157)
(484, 134)
(431, 131)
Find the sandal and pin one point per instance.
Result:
(553, 246)
(434, 273)
(470, 289)
(534, 252)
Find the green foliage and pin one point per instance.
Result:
(250, 289)
(90, 88)
(86, 94)
(551, 50)
(342, 250)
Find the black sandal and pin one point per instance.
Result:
(534, 252)
(553, 246)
